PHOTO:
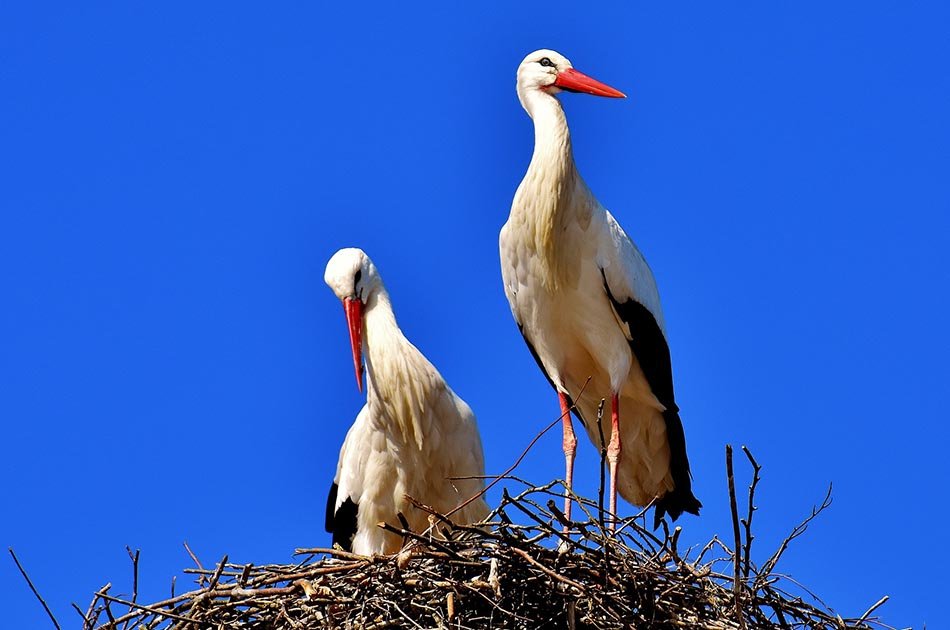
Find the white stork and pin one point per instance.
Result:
(588, 308)
(412, 436)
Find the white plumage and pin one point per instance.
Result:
(588, 307)
(412, 436)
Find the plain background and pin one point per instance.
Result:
(176, 175)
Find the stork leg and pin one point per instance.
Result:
(570, 447)
(613, 456)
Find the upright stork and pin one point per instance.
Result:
(588, 308)
(413, 437)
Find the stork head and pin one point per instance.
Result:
(550, 72)
(354, 279)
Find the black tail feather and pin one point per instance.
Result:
(680, 499)
(675, 503)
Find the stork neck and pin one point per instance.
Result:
(552, 194)
(552, 136)
(381, 333)
(397, 383)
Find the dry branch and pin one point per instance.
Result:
(33, 588)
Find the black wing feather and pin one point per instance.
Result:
(331, 503)
(342, 522)
(653, 354)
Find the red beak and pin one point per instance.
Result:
(574, 81)
(353, 308)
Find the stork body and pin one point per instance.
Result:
(587, 304)
(413, 435)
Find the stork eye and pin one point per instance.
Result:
(547, 63)
(357, 277)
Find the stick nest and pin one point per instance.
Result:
(516, 570)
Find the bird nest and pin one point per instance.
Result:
(518, 569)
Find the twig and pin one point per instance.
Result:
(245, 573)
(751, 509)
(197, 562)
(92, 606)
(518, 461)
(408, 534)
(79, 612)
(879, 603)
(33, 588)
(102, 595)
(149, 609)
(134, 557)
(737, 550)
(796, 532)
(339, 553)
(553, 531)
(560, 578)
(509, 469)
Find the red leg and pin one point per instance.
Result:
(613, 455)
(570, 447)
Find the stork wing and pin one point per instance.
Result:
(626, 272)
(632, 292)
(345, 491)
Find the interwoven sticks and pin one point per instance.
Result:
(516, 570)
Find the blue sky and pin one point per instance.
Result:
(175, 177)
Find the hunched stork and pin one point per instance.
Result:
(587, 305)
(413, 436)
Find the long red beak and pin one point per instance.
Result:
(353, 308)
(574, 81)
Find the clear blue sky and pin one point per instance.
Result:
(175, 177)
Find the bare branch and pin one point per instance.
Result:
(33, 588)
(756, 469)
(796, 532)
(736, 550)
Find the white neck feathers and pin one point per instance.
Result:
(552, 192)
(399, 379)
